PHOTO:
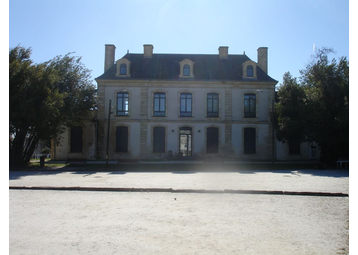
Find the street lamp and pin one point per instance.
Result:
(109, 121)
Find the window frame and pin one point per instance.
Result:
(251, 113)
(211, 112)
(186, 101)
(123, 69)
(125, 102)
(160, 98)
(251, 68)
(186, 70)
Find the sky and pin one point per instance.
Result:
(290, 29)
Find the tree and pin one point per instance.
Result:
(44, 98)
(317, 107)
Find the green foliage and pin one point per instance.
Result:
(317, 108)
(44, 98)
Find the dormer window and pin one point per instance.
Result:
(123, 68)
(186, 69)
(250, 71)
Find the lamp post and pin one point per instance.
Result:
(109, 121)
(273, 130)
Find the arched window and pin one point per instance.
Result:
(123, 69)
(250, 71)
(186, 70)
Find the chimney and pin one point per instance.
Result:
(223, 52)
(148, 50)
(262, 58)
(109, 56)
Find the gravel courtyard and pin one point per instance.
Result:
(87, 222)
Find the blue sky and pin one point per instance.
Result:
(288, 28)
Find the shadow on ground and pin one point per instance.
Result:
(119, 169)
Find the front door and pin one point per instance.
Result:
(185, 135)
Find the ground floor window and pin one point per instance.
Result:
(122, 139)
(76, 139)
(212, 140)
(159, 139)
(249, 140)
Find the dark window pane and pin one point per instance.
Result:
(250, 106)
(159, 104)
(122, 104)
(185, 105)
(122, 139)
(250, 71)
(213, 105)
(76, 139)
(186, 70)
(212, 140)
(249, 141)
(123, 69)
(159, 139)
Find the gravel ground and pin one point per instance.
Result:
(77, 222)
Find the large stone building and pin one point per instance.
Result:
(181, 106)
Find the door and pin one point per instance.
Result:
(185, 136)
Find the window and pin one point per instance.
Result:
(76, 139)
(159, 105)
(250, 106)
(159, 139)
(250, 71)
(212, 140)
(213, 105)
(294, 148)
(185, 105)
(122, 139)
(123, 69)
(122, 104)
(186, 70)
(249, 141)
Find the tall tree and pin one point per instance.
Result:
(44, 98)
(317, 107)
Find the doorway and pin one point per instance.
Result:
(185, 137)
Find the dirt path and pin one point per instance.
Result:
(75, 222)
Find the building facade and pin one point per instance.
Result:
(165, 106)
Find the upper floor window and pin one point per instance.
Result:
(159, 104)
(250, 71)
(186, 70)
(213, 105)
(122, 104)
(123, 69)
(185, 105)
(249, 106)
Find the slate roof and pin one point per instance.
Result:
(166, 67)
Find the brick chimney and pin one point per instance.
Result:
(148, 50)
(109, 56)
(262, 58)
(223, 52)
